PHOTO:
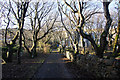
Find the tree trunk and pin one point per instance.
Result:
(115, 44)
(116, 41)
(10, 47)
(118, 50)
(99, 52)
(33, 50)
(76, 52)
(20, 47)
(103, 42)
(9, 54)
(21, 18)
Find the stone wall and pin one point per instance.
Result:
(99, 67)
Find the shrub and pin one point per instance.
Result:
(99, 67)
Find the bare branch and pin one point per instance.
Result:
(13, 11)
(90, 15)
(74, 11)
(48, 29)
(7, 27)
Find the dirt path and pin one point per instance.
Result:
(53, 67)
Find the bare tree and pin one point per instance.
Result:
(20, 15)
(13, 40)
(78, 10)
(39, 20)
(74, 40)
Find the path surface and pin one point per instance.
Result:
(53, 67)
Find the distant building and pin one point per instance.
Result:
(93, 32)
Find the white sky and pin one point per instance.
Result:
(111, 6)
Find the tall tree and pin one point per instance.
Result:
(81, 18)
(20, 17)
(13, 40)
(40, 19)
(74, 40)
